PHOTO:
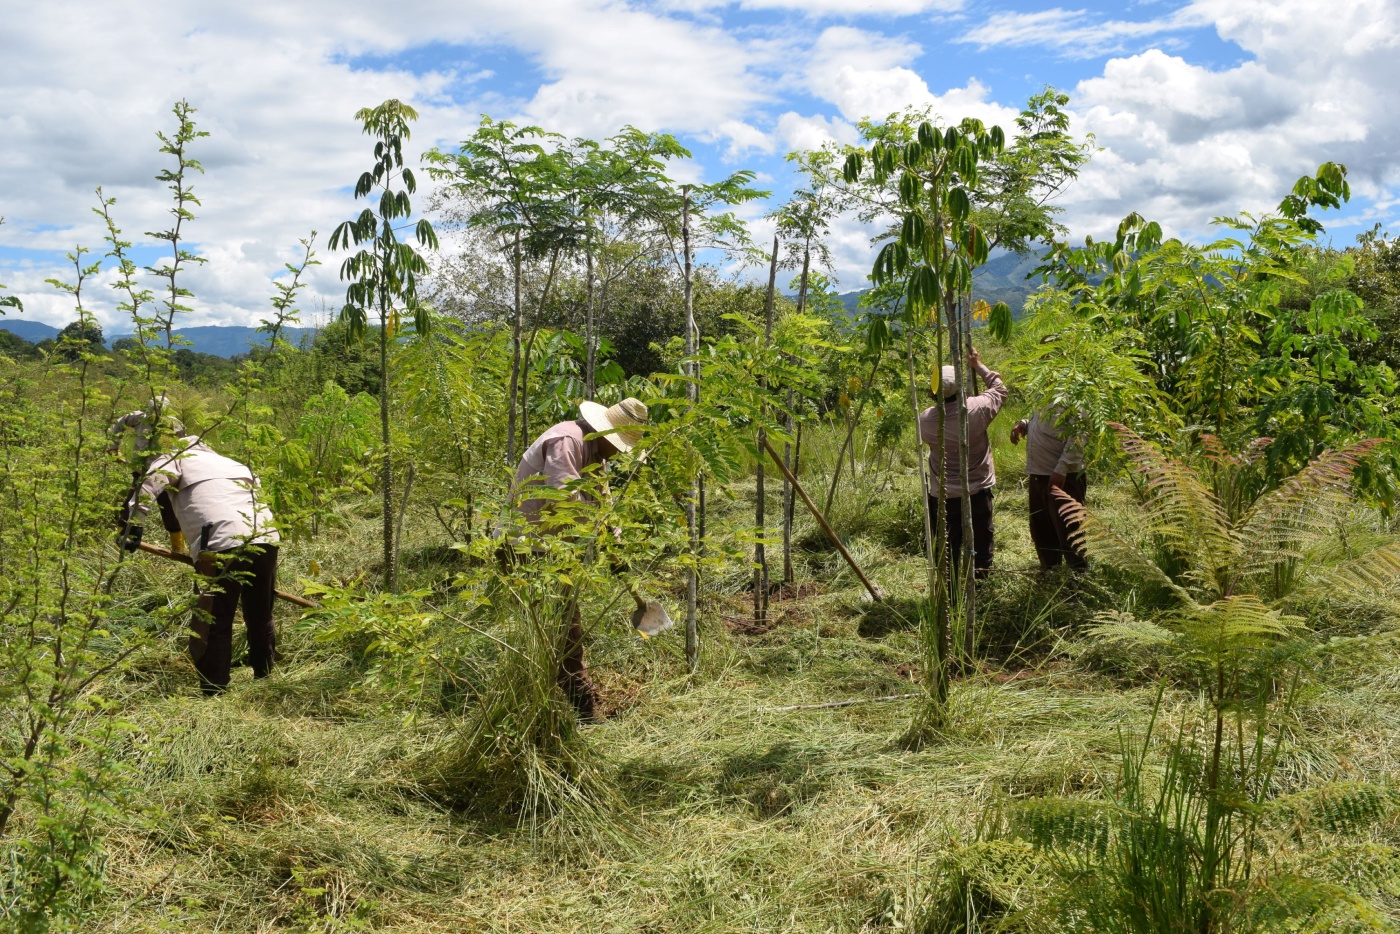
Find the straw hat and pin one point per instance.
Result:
(616, 421)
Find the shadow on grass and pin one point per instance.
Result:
(321, 690)
(1022, 614)
(878, 620)
(774, 781)
(767, 782)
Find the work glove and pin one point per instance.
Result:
(177, 542)
(130, 540)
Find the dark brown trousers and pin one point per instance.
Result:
(983, 532)
(573, 670)
(1050, 531)
(246, 575)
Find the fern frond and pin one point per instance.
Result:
(1376, 570)
(1001, 866)
(1235, 624)
(1281, 523)
(1126, 628)
(1180, 510)
(1296, 902)
(1065, 825)
(1336, 807)
(1100, 541)
(1362, 867)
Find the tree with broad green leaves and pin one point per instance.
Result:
(383, 272)
(620, 188)
(514, 189)
(1253, 334)
(932, 251)
(803, 222)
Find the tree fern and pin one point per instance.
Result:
(1201, 844)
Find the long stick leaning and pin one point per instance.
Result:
(874, 591)
(186, 559)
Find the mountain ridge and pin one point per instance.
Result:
(217, 339)
(1000, 279)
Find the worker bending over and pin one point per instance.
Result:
(1053, 462)
(234, 545)
(559, 458)
(981, 471)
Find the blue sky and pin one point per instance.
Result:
(1196, 107)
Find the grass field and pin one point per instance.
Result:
(289, 804)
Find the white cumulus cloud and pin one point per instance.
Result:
(1182, 142)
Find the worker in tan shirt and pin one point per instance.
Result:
(1054, 462)
(560, 458)
(982, 474)
(234, 545)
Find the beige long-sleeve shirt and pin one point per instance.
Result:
(215, 498)
(981, 409)
(1048, 450)
(557, 457)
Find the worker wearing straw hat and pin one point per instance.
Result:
(153, 426)
(981, 471)
(557, 458)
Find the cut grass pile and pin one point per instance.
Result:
(289, 804)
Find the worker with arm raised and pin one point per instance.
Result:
(981, 471)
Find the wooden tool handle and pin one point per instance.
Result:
(874, 591)
(186, 559)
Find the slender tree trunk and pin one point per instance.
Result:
(386, 471)
(700, 496)
(760, 556)
(935, 675)
(589, 338)
(398, 523)
(968, 579)
(529, 346)
(514, 359)
(792, 500)
(852, 423)
(789, 496)
(802, 283)
(943, 606)
(788, 575)
(692, 633)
